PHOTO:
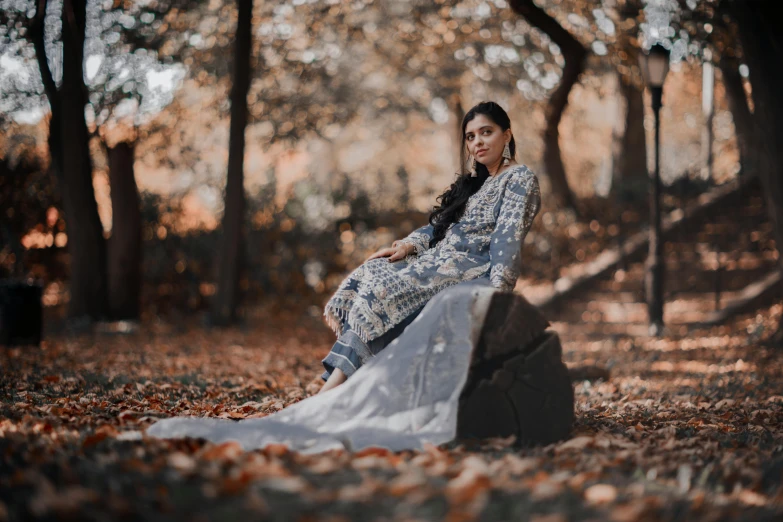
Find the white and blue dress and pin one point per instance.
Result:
(376, 301)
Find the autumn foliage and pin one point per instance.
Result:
(680, 430)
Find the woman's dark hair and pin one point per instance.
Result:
(452, 202)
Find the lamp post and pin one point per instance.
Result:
(655, 65)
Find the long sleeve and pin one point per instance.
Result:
(521, 201)
(419, 238)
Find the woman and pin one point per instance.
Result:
(476, 232)
(408, 396)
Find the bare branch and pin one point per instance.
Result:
(36, 35)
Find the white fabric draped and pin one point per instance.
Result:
(404, 397)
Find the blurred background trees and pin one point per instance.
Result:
(321, 130)
(232, 239)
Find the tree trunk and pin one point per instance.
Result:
(124, 253)
(762, 44)
(12, 230)
(86, 244)
(226, 298)
(708, 111)
(740, 112)
(459, 115)
(574, 54)
(629, 177)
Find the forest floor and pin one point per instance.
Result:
(689, 427)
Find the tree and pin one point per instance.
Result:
(70, 152)
(738, 105)
(574, 54)
(226, 298)
(761, 43)
(124, 256)
(630, 165)
(630, 147)
(119, 81)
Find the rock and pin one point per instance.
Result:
(517, 384)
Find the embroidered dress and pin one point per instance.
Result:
(485, 242)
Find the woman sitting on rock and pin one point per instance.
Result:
(476, 231)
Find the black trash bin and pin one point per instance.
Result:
(21, 312)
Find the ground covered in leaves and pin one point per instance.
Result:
(685, 428)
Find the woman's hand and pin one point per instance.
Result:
(395, 252)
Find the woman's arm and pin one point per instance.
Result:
(414, 243)
(419, 239)
(521, 201)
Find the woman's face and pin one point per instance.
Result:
(485, 140)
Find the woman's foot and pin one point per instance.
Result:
(335, 379)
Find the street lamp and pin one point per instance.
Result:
(655, 66)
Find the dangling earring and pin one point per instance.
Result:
(506, 155)
(472, 164)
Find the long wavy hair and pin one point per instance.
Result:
(451, 204)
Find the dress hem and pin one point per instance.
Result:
(337, 316)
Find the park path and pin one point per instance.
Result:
(709, 262)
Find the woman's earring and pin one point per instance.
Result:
(506, 155)
(472, 163)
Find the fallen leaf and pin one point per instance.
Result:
(577, 443)
(600, 494)
(100, 434)
(406, 482)
(286, 484)
(224, 451)
(181, 462)
(752, 498)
